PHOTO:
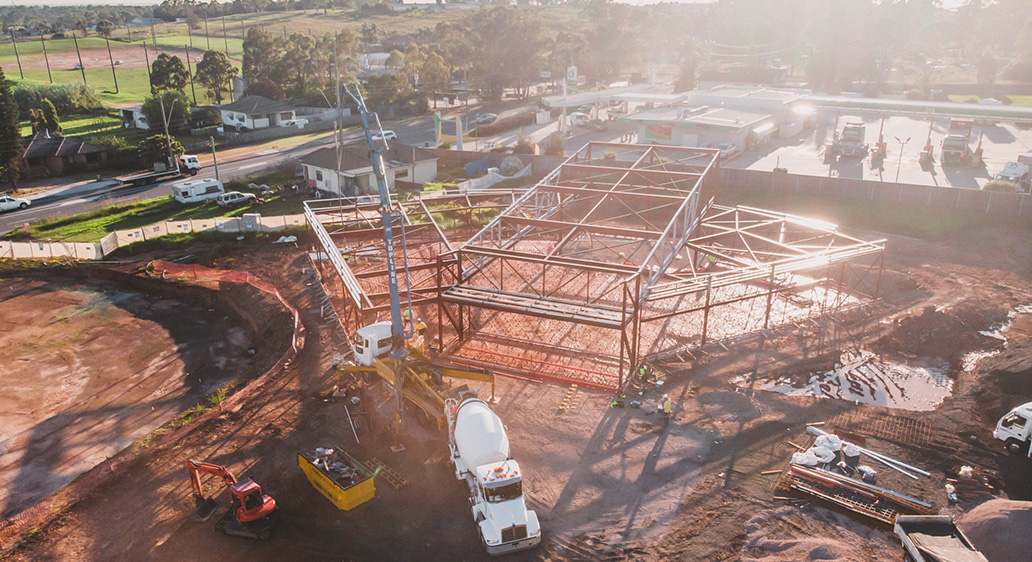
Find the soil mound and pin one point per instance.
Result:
(999, 529)
(940, 333)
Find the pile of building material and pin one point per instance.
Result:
(826, 471)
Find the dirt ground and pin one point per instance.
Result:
(91, 367)
(607, 483)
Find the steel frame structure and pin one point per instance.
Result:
(621, 240)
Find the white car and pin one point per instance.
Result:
(485, 118)
(727, 150)
(299, 123)
(387, 135)
(234, 198)
(118, 62)
(8, 203)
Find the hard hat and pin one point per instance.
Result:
(665, 397)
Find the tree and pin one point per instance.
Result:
(215, 72)
(168, 73)
(433, 76)
(49, 117)
(177, 110)
(262, 53)
(155, 149)
(11, 148)
(554, 146)
(105, 28)
(987, 68)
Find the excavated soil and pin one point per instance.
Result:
(608, 483)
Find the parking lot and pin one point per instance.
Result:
(1001, 142)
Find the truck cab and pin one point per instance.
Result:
(1016, 173)
(188, 164)
(372, 341)
(504, 522)
(1014, 429)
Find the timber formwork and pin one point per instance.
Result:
(618, 255)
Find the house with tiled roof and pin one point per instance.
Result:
(401, 163)
(48, 154)
(251, 113)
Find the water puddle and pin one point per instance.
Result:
(867, 378)
(998, 331)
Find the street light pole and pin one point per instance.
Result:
(899, 162)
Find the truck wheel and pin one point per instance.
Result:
(23, 206)
(193, 171)
(1015, 447)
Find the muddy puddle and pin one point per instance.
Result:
(865, 377)
(999, 331)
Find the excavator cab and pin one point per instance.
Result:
(249, 504)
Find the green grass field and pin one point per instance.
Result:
(133, 83)
(94, 225)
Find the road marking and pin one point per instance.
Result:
(267, 152)
(262, 163)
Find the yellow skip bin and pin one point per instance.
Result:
(326, 475)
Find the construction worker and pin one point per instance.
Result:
(420, 327)
(667, 406)
(406, 315)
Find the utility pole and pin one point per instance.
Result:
(45, 57)
(164, 119)
(225, 40)
(82, 68)
(128, 33)
(112, 61)
(214, 160)
(150, 79)
(189, 33)
(154, 38)
(15, 43)
(189, 70)
(206, 36)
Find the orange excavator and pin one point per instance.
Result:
(252, 513)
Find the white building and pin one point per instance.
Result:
(255, 112)
(402, 163)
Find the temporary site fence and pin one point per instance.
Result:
(49, 249)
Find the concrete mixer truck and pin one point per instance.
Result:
(480, 453)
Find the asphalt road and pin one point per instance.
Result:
(82, 197)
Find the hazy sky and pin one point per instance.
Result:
(945, 3)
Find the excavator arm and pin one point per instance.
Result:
(196, 468)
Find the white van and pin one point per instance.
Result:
(195, 191)
(371, 341)
(578, 118)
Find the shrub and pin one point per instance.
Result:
(1000, 185)
(523, 146)
(68, 99)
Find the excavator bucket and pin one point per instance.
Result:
(205, 508)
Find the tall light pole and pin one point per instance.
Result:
(899, 162)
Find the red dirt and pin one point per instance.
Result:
(608, 483)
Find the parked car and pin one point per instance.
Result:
(578, 118)
(597, 124)
(77, 66)
(727, 150)
(485, 118)
(299, 123)
(234, 198)
(8, 203)
(387, 135)
(118, 62)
